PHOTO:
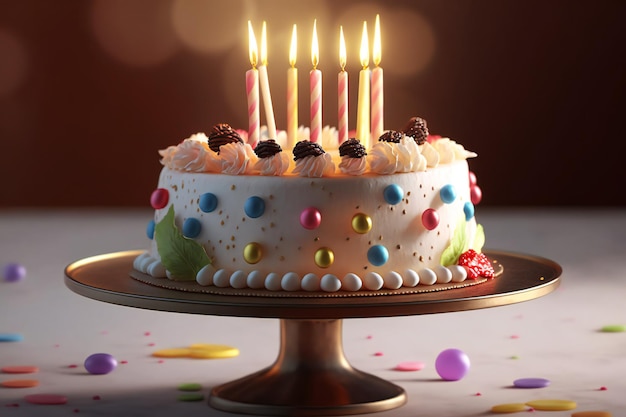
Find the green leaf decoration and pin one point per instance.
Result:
(451, 254)
(479, 238)
(182, 257)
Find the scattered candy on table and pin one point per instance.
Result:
(452, 364)
(100, 363)
(531, 383)
(11, 337)
(14, 272)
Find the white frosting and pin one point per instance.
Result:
(330, 283)
(205, 275)
(373, 281)
(315, 166)
(459, 273)
(427, 276)
(191, 155)
(443, 274)
(256, 279)
(351, 282)
(239, 279)
(277, 164)
(410, 278)
(237, 159)
(353, 166)
(290, 282)
(311, 282)
(430, 153)
(221, 278)
(393, 280)
(450, 151)
(382, 158)
(273, 281)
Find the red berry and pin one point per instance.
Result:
(477, 264)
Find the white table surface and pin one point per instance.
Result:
(555, 337)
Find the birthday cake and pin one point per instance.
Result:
(321, 217)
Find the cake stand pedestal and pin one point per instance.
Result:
(311, 375)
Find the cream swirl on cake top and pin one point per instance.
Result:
(192, 155)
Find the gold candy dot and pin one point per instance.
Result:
(324, 257)
(361, 223)
(252, 253)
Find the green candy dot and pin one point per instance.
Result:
(613, 328)
(192, 396)
(190, 386)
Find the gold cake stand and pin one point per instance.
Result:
(311, 375)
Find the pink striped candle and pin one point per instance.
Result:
(252, 91)
(292, 92)
(316, 91)
(377, 86)
(265, 86)
(342, 91)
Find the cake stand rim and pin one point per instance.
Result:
(525, 277)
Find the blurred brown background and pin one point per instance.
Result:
(90, 90)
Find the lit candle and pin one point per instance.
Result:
(342, 91)
(377, 86)
(316, 90)
(265, 87)
(363, 104)
(292, 92)
(252, 90)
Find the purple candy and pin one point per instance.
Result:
(531, 383)
(14, 272)
(452, 364)
(100, 363)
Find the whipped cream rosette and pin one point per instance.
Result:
(353, 161)
(312, 160)
(396, 152)
(450, 151)
(272, 160)
(192, 155)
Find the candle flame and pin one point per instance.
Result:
(252, 47)
(342, 49)
(365, 49)
(315, 49)
(293, 49)
(377, 52)
(264, 44)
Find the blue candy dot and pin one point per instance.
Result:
(150, 229)
(254, 207)
(447, 193)
(191, 227)
(393, 194)
(468, 209)
(208, 202)
(377, 255)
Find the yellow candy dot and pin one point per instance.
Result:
(552, 405)
(324, 257)
(172, 353)
(361, 223)
(252, 253)
(209, 351)
(509, 408)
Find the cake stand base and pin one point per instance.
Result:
(311, 377)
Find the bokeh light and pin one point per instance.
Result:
(208, 26)
(137, 33)
(14, 63)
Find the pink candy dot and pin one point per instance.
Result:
(410, 366)
(310, 218)
(476, 194)
(159, 198)
(430, 219)
(472, 178)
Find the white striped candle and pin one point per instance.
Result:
(316, 91)
(252, 91)
(377, 86)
